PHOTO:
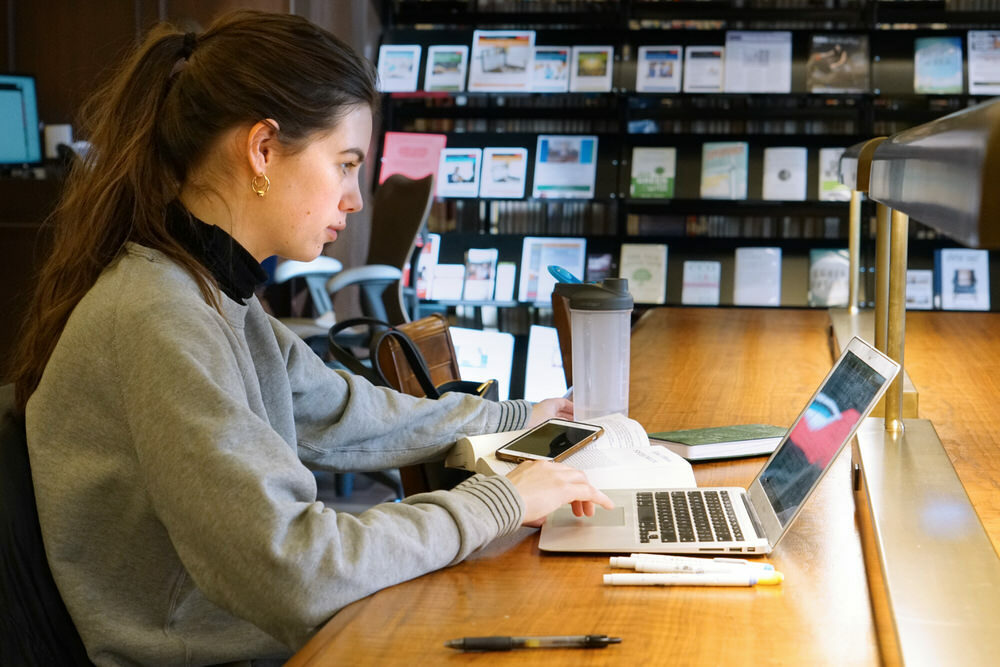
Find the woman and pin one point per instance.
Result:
(169, 419)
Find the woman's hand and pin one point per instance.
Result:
(550, 408)
(546, 486)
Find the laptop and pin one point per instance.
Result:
(729, 519)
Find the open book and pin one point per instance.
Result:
(621, 458)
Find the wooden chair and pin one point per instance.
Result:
(430, 334)
(561, 321)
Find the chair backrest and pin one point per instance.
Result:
(400, 208)
(431, 336)
(35, 628)
(561, 321)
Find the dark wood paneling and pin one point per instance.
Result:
(6, 35)
(23, 242)
(68, 46)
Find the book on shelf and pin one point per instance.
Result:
(703, 69)
(426, 262)
(550, 71)
(701, 283)
(785, 173)
(446, 68)
(537, 253)
(484, 355)
(830, 187)
(984, 62)
(757, 277)
(503, 173)
(448, 281)
(721, 442)
(758, 61)
(724, 169)
(653, 173)
(962, 278)
(600, 265)
(838, 63)
(412, 154)
(501, 60)
(919, 289)
(592, 69)
(398, 67)
(480, 273)
(621, 458)
(645, 267)
(829, 277)
(658, 69)
(543, 369)
(458, 172)
(565, 166)
(937, 65)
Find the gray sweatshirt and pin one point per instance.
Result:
(169, 446)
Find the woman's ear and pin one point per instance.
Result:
(262, 139)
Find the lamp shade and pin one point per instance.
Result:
(856, 163)
(946, 174)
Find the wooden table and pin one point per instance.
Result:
(691, 368)
(954, 359)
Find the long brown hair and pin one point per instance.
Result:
(151, 123)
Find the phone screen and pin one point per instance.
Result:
(549, 440)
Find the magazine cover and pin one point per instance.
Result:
(550, 71)
(962, 278)
(785, 173)
(653, 172)
(446, 66)
(758, 61)
(838, 64)
(984, 62)
(724, 170)
(565, 167)
(592, 68)
(701, 283)
(398, 67)
(458, 172)
(412, 154)
(937, 65)
(703, 68)
(503, 173)
(501, 60)
(829, 276)
(830, 187)
(658, 69)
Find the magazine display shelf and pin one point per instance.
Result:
(624, 119)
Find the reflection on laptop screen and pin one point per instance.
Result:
(818, 434)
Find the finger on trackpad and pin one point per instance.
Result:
(602, 517)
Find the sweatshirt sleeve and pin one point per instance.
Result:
(240, 508)
(345, 423)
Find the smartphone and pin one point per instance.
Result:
(552, 440)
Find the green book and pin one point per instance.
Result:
(721, 442)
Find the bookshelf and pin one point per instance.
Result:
(622, 119)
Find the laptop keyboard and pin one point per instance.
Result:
(687, 516)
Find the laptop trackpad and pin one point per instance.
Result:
(563, 517)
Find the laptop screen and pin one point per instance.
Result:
(818, 434)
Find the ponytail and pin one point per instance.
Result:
(151, 123)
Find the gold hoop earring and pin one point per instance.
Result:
(260, 189)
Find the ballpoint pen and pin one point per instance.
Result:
(659, 563)
(508, 643)
(750, 578)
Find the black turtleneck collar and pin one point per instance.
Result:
(235, 269)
